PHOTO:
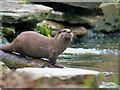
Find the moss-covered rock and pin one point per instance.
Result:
(22, 16)
(8, 31)
(3, 39)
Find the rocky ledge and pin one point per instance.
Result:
(15, 13)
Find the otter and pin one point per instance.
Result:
(33, 44)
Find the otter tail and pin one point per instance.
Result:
(5, 47)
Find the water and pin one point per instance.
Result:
(95, 52)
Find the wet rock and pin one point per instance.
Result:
(4, 69)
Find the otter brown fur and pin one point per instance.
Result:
(35, 45)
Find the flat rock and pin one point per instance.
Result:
(73, 19)
(75, 3)
(65, 77)
(13, 12)
(57, 72)
(89, 5)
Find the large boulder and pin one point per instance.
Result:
(22, 16)
(13, 12)
(109, 21)
(51, 78)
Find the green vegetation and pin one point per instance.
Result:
(8, 31)
(3, 39)
(44, 29)
(118, 9)
(23, 2)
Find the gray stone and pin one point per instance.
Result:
(79, 31)
(58, 16)
(110, 13)
(50, 78)
(109, 22)
(89, 5)
(73, 19)
(83, 4)
(14, 12)
(67, 77)
(100, 25)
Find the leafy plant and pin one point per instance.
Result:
(43, 29)
(118, 9)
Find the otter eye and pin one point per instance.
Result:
(64, 31)
(59, 32)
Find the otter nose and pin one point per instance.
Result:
(68, 30)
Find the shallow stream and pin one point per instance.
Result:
(99, 54)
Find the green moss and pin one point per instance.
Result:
(8, 31)
(118, 9)
(24, 2)
(44, 29)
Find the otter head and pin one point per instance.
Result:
(65, 34)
